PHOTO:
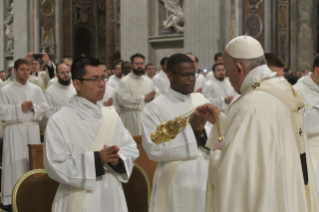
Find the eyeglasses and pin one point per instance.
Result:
(96, 81)
(185, 75)
(220, 70)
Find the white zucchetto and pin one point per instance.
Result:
(244, 47)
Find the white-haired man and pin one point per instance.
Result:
(263, 163)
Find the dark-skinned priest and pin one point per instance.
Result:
(87, 148)
(261, 159)
(180, 179)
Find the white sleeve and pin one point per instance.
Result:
(62, 165)
(183, 147)
(127, 101)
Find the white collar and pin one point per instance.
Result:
(177, 95)
(256, 75)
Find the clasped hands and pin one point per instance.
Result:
(109, 154)
(204, 113)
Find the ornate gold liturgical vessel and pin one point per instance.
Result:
(167, 131)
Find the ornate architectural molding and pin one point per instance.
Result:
(8, 23)
(47, 41)
(174, 15)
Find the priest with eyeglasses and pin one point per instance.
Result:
(87, 149)
(180, 179)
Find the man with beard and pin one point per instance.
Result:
(218, 90)
(134, 92)
(117, 76)
(60, 93)
(67, 60)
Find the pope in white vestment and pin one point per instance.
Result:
(131, 96)
(309, 91)
(161, 81)
(259, 165)
(19, 133)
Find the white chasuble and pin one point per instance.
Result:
(19, 133)
(131, 97)
(180, 179)
(309, 91)
(114, 81)
(110, 92)
(216, 91)
(69, 159)
(200, 82)
(259, 167)
(40, 79)
(57, 96)
(161, 81)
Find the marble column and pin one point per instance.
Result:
(202, 30)
(58, 30)
(2, 29)
(21, 28)
(110, 36)
(305, 37)
(134, 28)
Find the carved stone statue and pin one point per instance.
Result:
(174, 14)
(47, 41)
(8, 23)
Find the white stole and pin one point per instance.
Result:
(104, 137)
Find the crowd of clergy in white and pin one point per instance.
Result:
(268, 160)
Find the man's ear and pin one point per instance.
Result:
(170, 76)
(15, 71)
(316, 71)
(77, 84)
(241, 70)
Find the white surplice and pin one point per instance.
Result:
(131, 96)
(114, 81)
(309, 91)
(161, 81)
(188, 187)
(41, 79)
(200, 81)
(1, 86)
(69, 160)
(19, 133)
(259, 167)
(57, 96)
(52, 81)
(210, 75)
(110, 92)
(216, 91)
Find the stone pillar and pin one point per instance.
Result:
(58, 30)
(134, 28)
(2, 29)
(110, 38)
(202, 30)
(305, 37)
(21, 28)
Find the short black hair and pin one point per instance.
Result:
(78, 67)
(273, 60)
(215, 65)
(217, 55)
(124, 63)
(196, 58)
(149, 64)
(19, 62)
(137, 55)
(176, 59)
(163, 60)
(118, 62)
(315, 62)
